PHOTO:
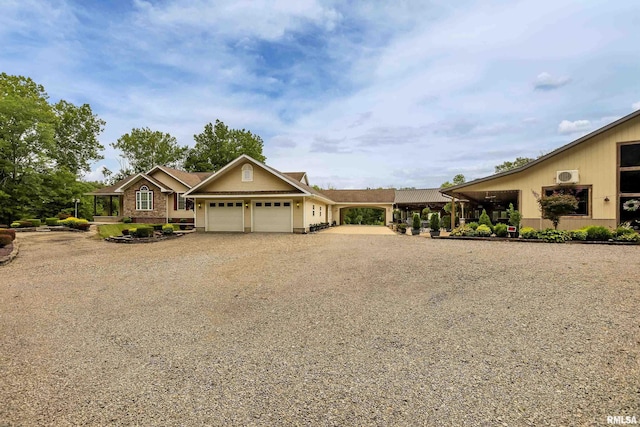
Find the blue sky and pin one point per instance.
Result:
(357, 94)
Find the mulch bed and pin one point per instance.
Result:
(5, 251)
(157, 237)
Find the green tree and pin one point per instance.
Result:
(485, 219)
(142, 149)
(515, 217)
(43, 147)
(457, 180)
(518, 162)
(557, 205)
(26, 135)
(217, 145)
(76, 137)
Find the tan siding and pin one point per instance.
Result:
(596, 161)
(262, 181)
(168, 181)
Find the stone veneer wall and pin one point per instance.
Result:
(159, 212)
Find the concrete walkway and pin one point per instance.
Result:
(359, 229)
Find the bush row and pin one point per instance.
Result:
(147, 230)
(591, 233)
(5, 240)
(596, 233)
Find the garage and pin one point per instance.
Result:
(272, 216)
(225, 216)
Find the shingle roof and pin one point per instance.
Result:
(111, 189)
(361, 196)
(191, 179)
(295, 175)
(426, 195)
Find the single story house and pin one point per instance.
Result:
(153, 197)
(601, 169)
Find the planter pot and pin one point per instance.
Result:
(415, 231)
(434, 233)
(403, 231)
(183, 226)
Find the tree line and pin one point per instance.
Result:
(46, 148)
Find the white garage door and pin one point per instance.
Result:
(272, 216)
(225, 216)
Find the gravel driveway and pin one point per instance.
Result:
(321, 329)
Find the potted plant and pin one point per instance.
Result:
(434, 225)
(183, 223)
(416, 225)
(402, 228)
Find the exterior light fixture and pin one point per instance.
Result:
(246, 205)
(199, 205)
(606, 198)
(297, 204)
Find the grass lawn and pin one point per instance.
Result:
(107, 230)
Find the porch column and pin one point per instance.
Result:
(95, 205)
(453, 213)
(110, 204)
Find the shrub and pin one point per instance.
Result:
(463, 230)
(127, 220)
(578, 235)
(144, 232)
(133, 232)
(621, 230)
(15, 224)
(167, 229)
(445, 222)
(425, 213)
(474, 225)
(83, 225)
(5, 240)
(34, 222)
(8, 232)
(551, 235)
(500, 230)
(528, 233)
(63, 215)
(434, 222)
(402, 227)
(598, 232)
(125, 231)
(514, 216)
(485, 220)
(51, 221)
(417, 223)
(157, 227)
(557, 205)
(483, 230)
(629, 237)
(70, 222)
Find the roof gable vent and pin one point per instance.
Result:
(567, 177)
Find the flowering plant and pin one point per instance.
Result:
(631, 205)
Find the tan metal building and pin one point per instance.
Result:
(602, 169)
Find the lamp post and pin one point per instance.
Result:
(76, 201)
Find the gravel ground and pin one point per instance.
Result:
(321, 329)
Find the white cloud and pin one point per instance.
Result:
(568, 127)
(635, 106)
(546, 81)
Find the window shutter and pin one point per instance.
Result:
(175, 201)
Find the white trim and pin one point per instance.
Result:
(233, 163)
(149, 201)
(246, 196)
(247, 168)
(148, 178)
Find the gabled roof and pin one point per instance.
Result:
(111, 189)
(420, 196)
(361, 196)
(304, 188)
(628, 117)
(186, 178)
(163, 188)
(298, 176)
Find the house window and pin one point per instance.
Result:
(144, 199)
(181, 202)
(313, 210)
(579, 192)
(320, 210)
(247, 173)
(629, 182)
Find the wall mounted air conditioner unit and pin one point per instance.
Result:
(567, 177)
